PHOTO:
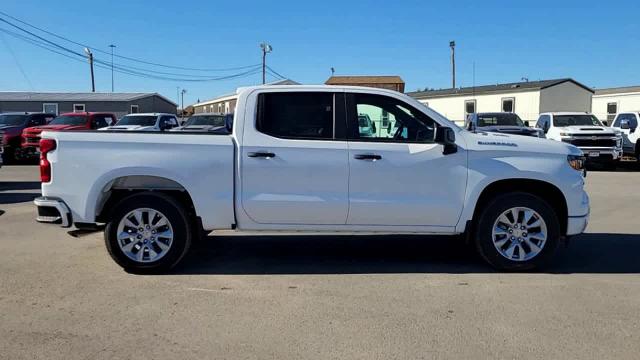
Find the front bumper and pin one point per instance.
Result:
(52, 211)
(604, 154)
(577, 224)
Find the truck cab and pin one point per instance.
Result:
(599, 143)
(627, 124)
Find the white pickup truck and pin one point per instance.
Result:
(297, 162)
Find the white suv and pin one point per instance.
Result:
(627, 124)
(599, 143)
(145, 122)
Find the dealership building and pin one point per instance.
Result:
(527, 99)
(56, 103)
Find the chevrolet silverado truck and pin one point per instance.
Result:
(627, 124)
(12, 125)
(296, 161)
(64, 122)
(145, 122)
(599, 143)
(501, 122)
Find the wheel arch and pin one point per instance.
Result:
(542, 189)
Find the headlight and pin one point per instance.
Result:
(576, 161)
(565, 134)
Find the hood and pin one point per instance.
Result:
(39, 129)
(595, 130)
(209, 128)
(128, 128)
(517, 130)
(487, 141)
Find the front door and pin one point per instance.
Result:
(294, 165)
(399, 175)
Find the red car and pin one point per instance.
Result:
(66, 122)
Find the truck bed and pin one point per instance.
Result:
(87, 164)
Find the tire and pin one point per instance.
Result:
(170, 243)
(524, 255)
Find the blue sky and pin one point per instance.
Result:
(597, 43)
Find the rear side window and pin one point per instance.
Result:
(306, 115)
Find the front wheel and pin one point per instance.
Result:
(148, 232)
(517, 231)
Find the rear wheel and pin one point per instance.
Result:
(517, 231)
(148, 232)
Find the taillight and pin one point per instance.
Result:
(46, 146)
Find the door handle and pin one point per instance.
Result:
(373, 157)
(261, 154)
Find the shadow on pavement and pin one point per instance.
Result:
(588, 253)
(18, 196)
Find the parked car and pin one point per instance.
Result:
(12, 125)
(207, 122)
(145, 122)
(501, 122)
(599, 143)
(64, 122)
(627, 124)
(366, 127)
(296, 162)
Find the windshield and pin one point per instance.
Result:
(138, 120)
(579, 119)
(499, 120)
(69, 120)
(12, 119)
(212, 120)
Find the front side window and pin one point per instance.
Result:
(508, 105)
(404, 123)
(69, 120)
(543, 122)
(304, 115)
(576, 120)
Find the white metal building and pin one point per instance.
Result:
(527, 99)
(608, 102)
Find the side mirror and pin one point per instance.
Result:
(447, 137)
(526, 123)
(624, 124)
(471, 126)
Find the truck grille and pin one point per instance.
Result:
(591, 141)
(32, 139)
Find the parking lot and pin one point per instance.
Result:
(312, 297)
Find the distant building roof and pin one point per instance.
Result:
(498, 88)
(355, 80)
(618, 90)
(74, 96)
(234, 94)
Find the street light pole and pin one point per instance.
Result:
(90, 55)
(112, 46)
(452, 45)
(266, 48)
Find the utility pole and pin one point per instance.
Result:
(90, 55)
(333, 71)
(266, 48)
(112, 47)
(452, 45)
(182, 106)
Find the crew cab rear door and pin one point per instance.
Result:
(400, 176)
(293, 159)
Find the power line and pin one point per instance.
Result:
(121, 56)
(48, 45)
(273, 72)
(15, 58)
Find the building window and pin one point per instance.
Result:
(469, 107)
(219, 108)
(612, 110)
(134, 109)
(210, 108)
(508, 105)
(78, 108)
(50, 108)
